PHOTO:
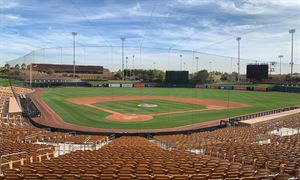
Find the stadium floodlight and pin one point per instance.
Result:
(133, 56)
(123, 73)
(132, 71)
(239, 60)
(180, 62)
(74, 69)
(126, 62)
(280, 57)
(126, 67)
(197, 63)
(292, 31)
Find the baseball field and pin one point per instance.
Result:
(156, 108)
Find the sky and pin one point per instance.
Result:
(156, 31)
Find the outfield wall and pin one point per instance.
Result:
(290, 89)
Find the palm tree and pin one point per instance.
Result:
(17, 66)
(23, 66)
(7, 66)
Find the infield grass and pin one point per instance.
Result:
(131, 107)
(87, 116)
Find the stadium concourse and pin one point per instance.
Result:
(268, 149)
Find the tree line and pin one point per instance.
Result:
(152, 75)
(158, 76)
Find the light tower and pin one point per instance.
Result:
(292, 31)
(74, 70)
(239, 60)
(126, 68)
(133, 56)
(280, 57)
(123, 73)
(197, 63)
(180, 62)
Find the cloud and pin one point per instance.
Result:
(11, 20)
(194, 2)
(182, 24)
(150, 10)
(12, 17)
(8, 4)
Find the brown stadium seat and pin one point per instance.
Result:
(180, 177)
(89, 177)
(143, 176)
(51, 176)
(198, 177)
(161, 177)
(32, 176)
(108, 176)
(70, 176)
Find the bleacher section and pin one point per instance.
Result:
(22, 144)
(272, 145)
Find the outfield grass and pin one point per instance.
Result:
(4, 82)
(83, 115)
(131, 107)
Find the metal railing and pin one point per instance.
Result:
(8, 155)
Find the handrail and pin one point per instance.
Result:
(7, 155)
(87, 139)
(31, 136)
(263, 113)
(41, 149)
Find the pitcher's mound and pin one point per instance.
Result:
(129, 117)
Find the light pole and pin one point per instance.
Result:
(197, 63)
(132, 65)
(292, 31)
(184, 63)
(180, 62)
(154, 63)
(210, 74)
(126, 67)
(74, 70)
(123, 73)
(280, 57)
(239, 60)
